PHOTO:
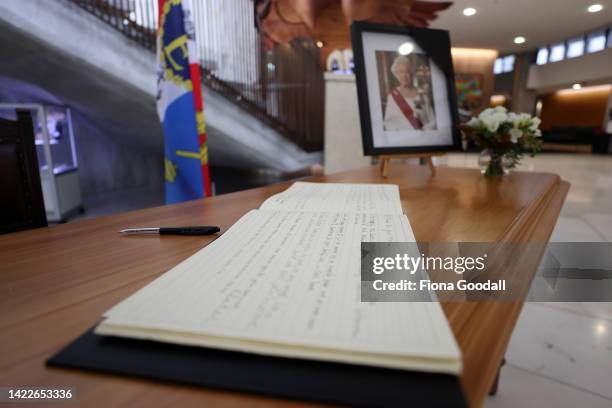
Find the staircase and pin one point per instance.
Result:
(260, 111)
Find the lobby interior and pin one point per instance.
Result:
(288, 110)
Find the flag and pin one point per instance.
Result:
(179, 104)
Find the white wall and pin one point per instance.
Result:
(593, 68)
(343, 147)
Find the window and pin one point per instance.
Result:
(498, 67)
(596, 41)
(504, 64)
(509, 63)
(557, 52)
(575, 47)
(542, 56)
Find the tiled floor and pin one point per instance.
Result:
(560, 354)
(114, 202)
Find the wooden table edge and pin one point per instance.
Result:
(553, 200)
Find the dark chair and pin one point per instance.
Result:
(21, 200)
(571, 135)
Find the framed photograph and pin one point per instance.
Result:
(406, 89)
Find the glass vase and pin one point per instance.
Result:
(492, 163)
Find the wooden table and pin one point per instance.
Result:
(56, 282)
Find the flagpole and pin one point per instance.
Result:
(194, 71)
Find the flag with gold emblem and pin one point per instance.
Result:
(179, 104)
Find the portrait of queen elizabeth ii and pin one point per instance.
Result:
(406, 96)
(405, 88)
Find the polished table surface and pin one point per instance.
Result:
(56, 282)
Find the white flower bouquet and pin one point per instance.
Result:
(505, 136)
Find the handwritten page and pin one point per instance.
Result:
(287, 283)
(338, 197)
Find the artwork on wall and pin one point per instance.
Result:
(406, 89)
(469, 91)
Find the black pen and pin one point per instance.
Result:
(202, 230)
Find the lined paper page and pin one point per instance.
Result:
(337, 197)
(288, 283)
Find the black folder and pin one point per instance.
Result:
(328, 382)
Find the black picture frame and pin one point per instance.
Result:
(436, 45)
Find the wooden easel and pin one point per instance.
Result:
(384, 161)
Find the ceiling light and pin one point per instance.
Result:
(474, 52)
(470, 11)
(406, 48)
(320, 44)
(576, 86)
(519, 40)
(595, 8)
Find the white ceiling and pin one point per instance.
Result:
(541, 22)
